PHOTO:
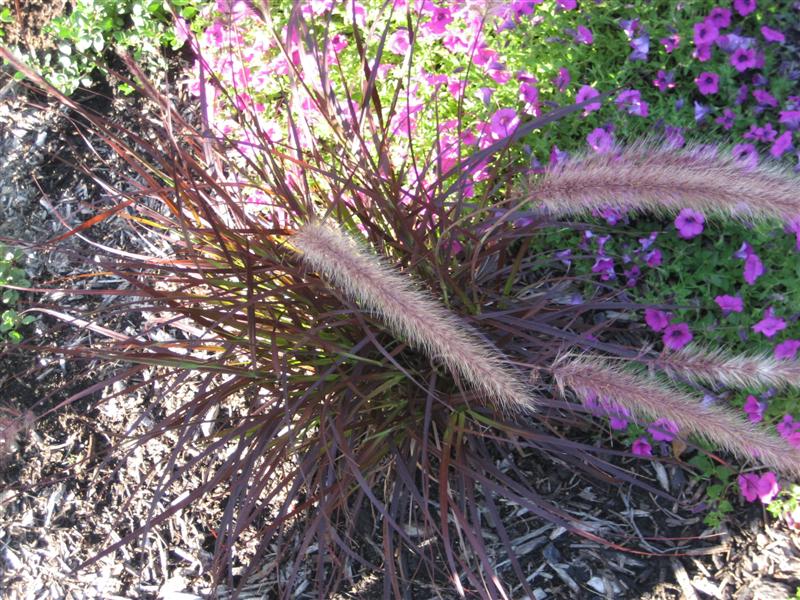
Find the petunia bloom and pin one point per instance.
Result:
(600, 140)
(504, 122)
(743, 59)
(729, 304)
(744, 7)
(772, 35)
(641, 447)
(689, 223)
(707, 82)
(782, 144)
(754, 409)
(764, 487)
(676, 336)
(663, 430)
(656, 320)
(585, 93)
(770, 324)
(787, 350)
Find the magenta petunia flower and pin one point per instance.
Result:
(689, 223)
(584, 35)
(663, 430)
(754, 409)
(562, 80)
(764, 487)
(744, 7)
(676, 336)
(787, 350)
(631, 102)
(585, 93)
(567, 4)
(670, 43)
(399, 42)
(440, 19)
(656, 320)
(705, 33)
(772, 35)
(770, 324)
(654, 258)
(782, 144)
(664, 80)
(719, 17)
(729, 304)
(764, 98)
(753, 268)
(789, 429)
(641, 447)
(743, 59)
(726, 119)
(707, 82)
(600, 140)
(748, 486)
(504, 122)
(746, 154)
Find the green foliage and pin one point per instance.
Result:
(84, 38)
(11, 274)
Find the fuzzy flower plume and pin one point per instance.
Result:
(647, 176)
(739, 371)
(411, 314)
(649, 398)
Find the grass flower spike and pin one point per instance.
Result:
(718, 367)
(411, 314)
(651, 399)
(650, 177)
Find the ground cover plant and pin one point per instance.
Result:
(392, 382)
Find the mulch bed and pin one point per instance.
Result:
(63, 499)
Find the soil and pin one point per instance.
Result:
(63, 499)
(29, 19)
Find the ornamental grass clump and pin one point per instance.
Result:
(394, 347)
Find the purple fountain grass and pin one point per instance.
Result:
(720, 367)
(649, 398)
(647, 176)
(412, 314)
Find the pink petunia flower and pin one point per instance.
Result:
(726, 119)
(772, 35)
(600, 140)
(631, 102)
(789, 429)
(676, 336)
(504, 122)
(770, 324)
(787, 350)
(641, 447)
(707, 82)
(440, 19)
(567, 4)
(746, 155)
(670, 43)
(782, 144)
(743, 59)
(719, 17)
(764, 487)
(744, 7)
(764, 98)
(754, 409)
(585, 93)
(729, 304)
(689, 223)
(663, 430)
(399, 42)
(753, 268)
(656, 320)
(705, 33)
(584, 35)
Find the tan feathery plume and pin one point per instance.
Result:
(648, 398)
(647, 176)
(718, 366)
(411, 314)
